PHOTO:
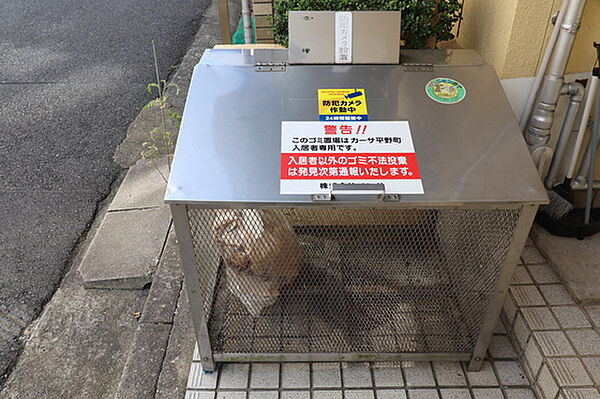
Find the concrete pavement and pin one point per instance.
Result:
(87, 342)
(73, 75)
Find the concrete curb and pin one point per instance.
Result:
(145, 360)
(125, 251)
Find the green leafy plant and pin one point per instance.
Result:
(161, 142)
(423, 21)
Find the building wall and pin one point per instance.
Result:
(511, 34)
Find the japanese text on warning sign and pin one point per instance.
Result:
(343, 105)
(314, 155)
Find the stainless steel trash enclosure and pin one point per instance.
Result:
(420, 277)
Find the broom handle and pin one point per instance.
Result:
(583, 126)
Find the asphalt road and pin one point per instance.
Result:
(73, 75)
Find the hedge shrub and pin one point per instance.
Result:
(421, 19)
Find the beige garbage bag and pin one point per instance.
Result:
(261, 252)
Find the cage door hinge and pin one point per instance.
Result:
(270, 66)
(418, 67)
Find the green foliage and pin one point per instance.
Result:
(421, 19)
(161, 142)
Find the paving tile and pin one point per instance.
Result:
(134, 238)
(580, 393)
(501, 348)
(295, 375)
(546, 383)
(327, 394)
(295, 394)
(356, 375)
(423, 394)
(484, 377)
(540, 318)
(521, 276)
(326, 375)
(521, 331)
(538, 392)
(143, 187)
(533, 357)
(455, 393)
(543, 274)
(593, 365)
(510, 372)
(263, 395)
(196, 355)
(569, 372)
(418, 374)
(231, 395)
(570, 317)
(556, 294)
(529, 242)
(449, 373)
(264, 375)
(519, 393)
(487, 393)
(359, 394)
(594, 313)
(199, 379)
(388, 375)
(510, 309)
(553, 343)
(199, 395)
(391, 394)
(531, 255)
(500, 328)
(527, 295)
(234, 375)
(586, 342)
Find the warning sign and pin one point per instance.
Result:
(315, 155)
(343, 105)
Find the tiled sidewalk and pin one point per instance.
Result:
(558, 339)
(557, 348)
(502, 377)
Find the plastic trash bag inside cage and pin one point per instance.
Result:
(261, 254)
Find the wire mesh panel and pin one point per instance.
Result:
(308, 280)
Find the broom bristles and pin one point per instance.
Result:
(558, 206)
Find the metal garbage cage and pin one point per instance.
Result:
(359, 277)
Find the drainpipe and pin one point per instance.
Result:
(537, 132)
(557, 20)
(576, 91)
(247, 21)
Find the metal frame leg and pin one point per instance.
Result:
(517, 244)
(192, 284)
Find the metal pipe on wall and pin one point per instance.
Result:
(592, 162)
(583, 185)
(537, 132)
(543, 65)
(581, 177)
(246, 17)
(577, 92)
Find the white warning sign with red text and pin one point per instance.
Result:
(314, 155)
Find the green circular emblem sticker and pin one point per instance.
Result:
(445, 90)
